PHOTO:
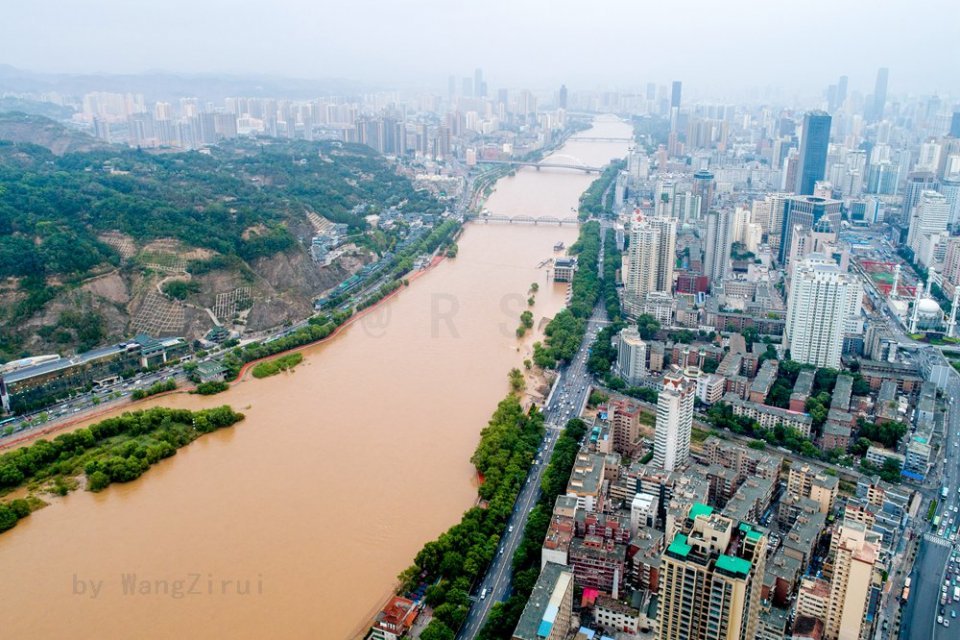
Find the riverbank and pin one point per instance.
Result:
(78, 421)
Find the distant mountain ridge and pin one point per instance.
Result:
(165, 85)
(33, 129)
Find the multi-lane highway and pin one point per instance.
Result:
(931, 608)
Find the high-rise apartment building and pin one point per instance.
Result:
(814, 144)
(671, 446)
(642, 260)
(822, 297)
(686, 207)
(930, 216)
(851, 583)
(717, 247)
(666, 252)
(650, 260)
(711, 578)
(631, 356)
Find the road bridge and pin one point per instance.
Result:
(576, 164)
(522, 219)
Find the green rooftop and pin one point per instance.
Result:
(679, 546)
(700, 509)
(754, 535)
(732, 564)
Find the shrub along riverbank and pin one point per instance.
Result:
(115, 450)
(452, 563)
(273, 367)
(154, 389)
(318, 328)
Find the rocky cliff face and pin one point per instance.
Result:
(250, 299)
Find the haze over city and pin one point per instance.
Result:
(719, 49)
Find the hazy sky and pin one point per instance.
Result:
(800, 45)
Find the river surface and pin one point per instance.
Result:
(296, 522)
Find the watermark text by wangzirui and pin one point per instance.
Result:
(190, 585)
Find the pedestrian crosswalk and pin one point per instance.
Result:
(935, 539)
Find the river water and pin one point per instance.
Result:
(295, 522)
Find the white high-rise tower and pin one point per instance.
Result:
(931, 215)
(822, 299)
(671, 446)
(642, 259)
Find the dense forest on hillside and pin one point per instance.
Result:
(51, 208)
(239, 201)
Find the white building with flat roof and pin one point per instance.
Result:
(631, 356)
(824, 301)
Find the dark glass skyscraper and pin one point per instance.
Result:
(813, 151)
(675, 94)
(955, 125)
(879, 95)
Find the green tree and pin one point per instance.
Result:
(437, 630)
(98, 481)
(517, 383)
(648, 326)
(890, 471)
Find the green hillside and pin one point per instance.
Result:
(239, 202)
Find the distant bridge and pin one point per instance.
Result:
(556, 161)
(522, 219)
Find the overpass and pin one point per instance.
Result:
(521, 219)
